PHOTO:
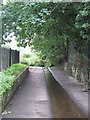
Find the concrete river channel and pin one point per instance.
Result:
(41, 96)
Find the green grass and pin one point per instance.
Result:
(7, 77)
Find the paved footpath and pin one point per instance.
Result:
(31, 100)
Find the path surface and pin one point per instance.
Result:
(38, 97)
(31, 100)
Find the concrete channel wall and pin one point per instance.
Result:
(72, 88)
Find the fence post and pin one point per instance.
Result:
(88, 60)
(68, 46)
(18, 54)
(10, 57)
(0, 59)
(13, 56)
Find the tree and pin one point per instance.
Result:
(23, 19)
(47, 25)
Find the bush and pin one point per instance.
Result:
(32, 59)
(14, 69)
(7, 77)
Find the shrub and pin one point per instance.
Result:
(32, 59)
(7, 77)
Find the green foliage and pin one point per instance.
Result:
(83, 26)
(45, 26)
(32, 59)
(6, 82)
(14, 69)
(51, 51)
(7, 77)
(23, 19)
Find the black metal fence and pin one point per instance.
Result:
(8, 57)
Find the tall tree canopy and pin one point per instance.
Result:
(47, 25)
